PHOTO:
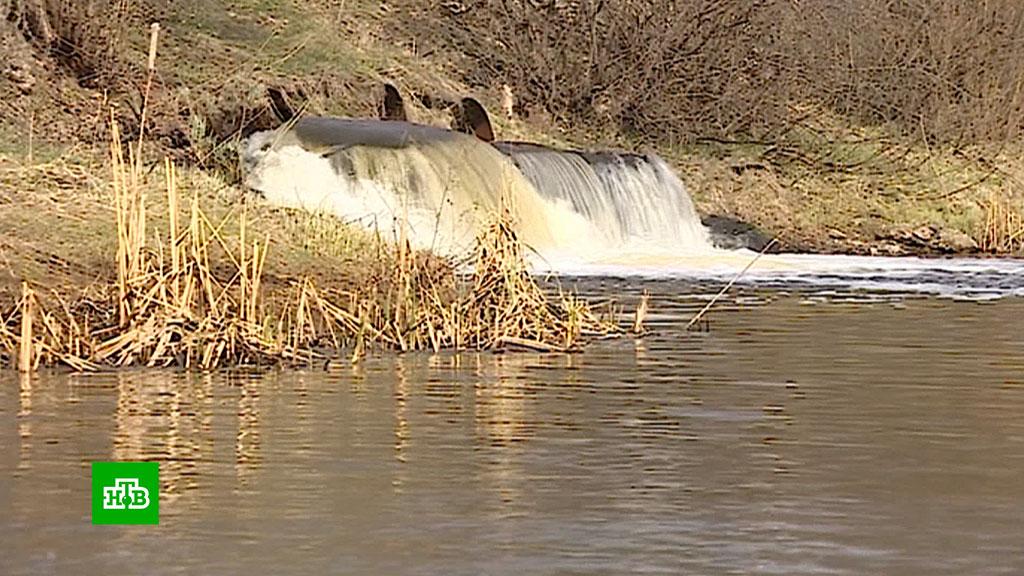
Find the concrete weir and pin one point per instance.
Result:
(440, 183)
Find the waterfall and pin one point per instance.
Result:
(437, 187)
(631, 199)
(582, 213)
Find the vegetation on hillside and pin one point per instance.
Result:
(683, 72)
(862, 126)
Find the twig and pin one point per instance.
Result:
(725, 289)
(535, 345)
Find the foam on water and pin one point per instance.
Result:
(968, 278)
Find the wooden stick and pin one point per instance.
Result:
(721, 292)
(534, 345)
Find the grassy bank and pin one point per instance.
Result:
(827, 183)
(871, 196)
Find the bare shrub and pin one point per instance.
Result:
(659, 68)
(679, 70)
(941, 69)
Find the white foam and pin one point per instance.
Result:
(441, 193)
(976, 278)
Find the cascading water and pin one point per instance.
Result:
(438, 184)
(631, 199)
(441, 185)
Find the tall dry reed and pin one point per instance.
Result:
(1002, 227)
(192, 297)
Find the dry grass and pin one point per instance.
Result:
(191, 292)
(861, 208)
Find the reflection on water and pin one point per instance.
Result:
(24, 422)
(247, 436)
(801, 435)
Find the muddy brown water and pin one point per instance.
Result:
(800, 435)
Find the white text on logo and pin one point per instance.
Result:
(125, 493)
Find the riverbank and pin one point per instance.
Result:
(866, 197)
(827, 187)
(159, 268)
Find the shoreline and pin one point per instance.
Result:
(103, 235)
(194, 286)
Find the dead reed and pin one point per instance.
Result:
(1002, 229)
(192, 296)
(507, 307)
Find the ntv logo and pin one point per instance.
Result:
(125, 493)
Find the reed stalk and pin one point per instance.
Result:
(194, 298)
(26, 360)
(697, 317)
(1002, 226)
(641, 313)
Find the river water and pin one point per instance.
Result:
(799, 433)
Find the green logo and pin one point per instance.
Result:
(125, 493)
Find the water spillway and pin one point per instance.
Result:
(433, 186)
(436, 187)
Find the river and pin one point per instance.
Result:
(799, 432)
